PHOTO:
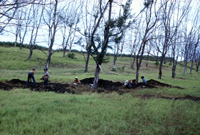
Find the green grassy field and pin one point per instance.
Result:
(27, 112)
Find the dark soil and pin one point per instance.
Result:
(103, 86)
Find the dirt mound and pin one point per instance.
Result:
(157, 83)
(103, 84)
(5, 86)
(16, 81)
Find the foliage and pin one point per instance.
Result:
(12, 44)
(71, 55)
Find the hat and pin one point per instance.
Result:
(76, 77)
(45, 69)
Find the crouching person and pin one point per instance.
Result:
(127, 83)
(76, 81)
(45, 77)
(31, 75)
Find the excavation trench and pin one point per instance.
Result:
(104, 86)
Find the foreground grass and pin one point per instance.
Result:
(26, 112)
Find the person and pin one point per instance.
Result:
(143, 80)
(76, 81)
(31, 75)
(134, 83)
(127, 83)
(45, 77)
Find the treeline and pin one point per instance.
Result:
(12, 44)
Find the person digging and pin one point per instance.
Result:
(45, 77)
(31, 75)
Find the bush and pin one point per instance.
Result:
(71, 56)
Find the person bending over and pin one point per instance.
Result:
(31, 75)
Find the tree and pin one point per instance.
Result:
(99, 47)
(149, 27)
(35, 26)
(24, 23)
(168, 9)
(51, 19)
(197, 59)
(117, 43)
(9, 9)
(70, 18)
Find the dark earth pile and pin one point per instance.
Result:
(103, 86)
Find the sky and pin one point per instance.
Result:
(136, 7)
(42, 41)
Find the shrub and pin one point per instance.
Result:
(71, 56)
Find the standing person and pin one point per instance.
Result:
(76, 81)
(46, 77)
(30, 75)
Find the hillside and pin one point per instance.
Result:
(14, 65)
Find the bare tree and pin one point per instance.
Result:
(151, 21)
(9, 9)
(197, 59)
(25, 22)
(194, 48)
(169, 32)
(191, 40)
(36, 21)
(51, 19)
(117, 48)
(70, 19)
(148, 52)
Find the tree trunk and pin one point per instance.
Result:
(170, 62)
(132, 65)
(87, 61)
(164, 60)
(30, 54)
(147, 60)
(185, 66)
(96, 78)
(16, 36)
(157, 58)
(197, 66)
(160, 68)
(191, 67)
(64, 50)
(173, 68)
(48, 60)
(114, 61)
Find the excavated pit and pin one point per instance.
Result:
(105, 86)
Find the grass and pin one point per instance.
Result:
(26, 112)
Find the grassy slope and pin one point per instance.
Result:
(26, 112)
